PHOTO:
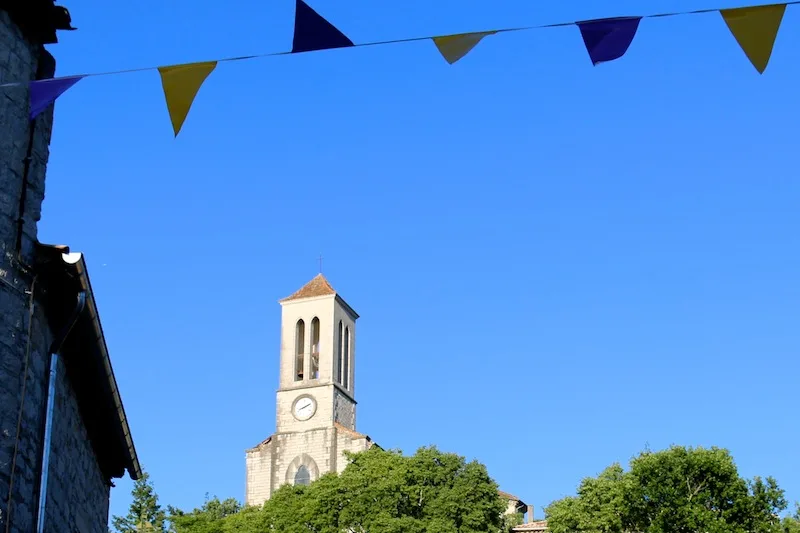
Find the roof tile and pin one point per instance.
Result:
(318, 286)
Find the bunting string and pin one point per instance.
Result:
(754, 28)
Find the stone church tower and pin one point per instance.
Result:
(315, 402)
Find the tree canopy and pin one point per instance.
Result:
(672, 491)
(678, 490)
(379, 491)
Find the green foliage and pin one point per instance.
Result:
(429, 492)
(791, 524)
(144, 514)
(675, 490)
(511, 520)
(206, 519)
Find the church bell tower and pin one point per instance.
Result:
(317, 370)
(315, 402)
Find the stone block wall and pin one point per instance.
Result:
(317, 445)
(14, 321)
(349, 441)
(258, 480)
(78, 496)
(273, 463)
(19, 61)
(344, 410)
(77, 493)
(323, 417)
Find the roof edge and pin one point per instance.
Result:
(290, 300)
(316, 286)
(351, 432)
(347, 307)
(510, 497)
(77, 264)
(259, 445)
(38, 20)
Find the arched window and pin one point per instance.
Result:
(302, 476)
(302, 470)
(315, 348)
(339, 353)
(299, 347)
(346, 370)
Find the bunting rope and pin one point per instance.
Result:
(754, 28)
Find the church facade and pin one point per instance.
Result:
(315, 402)
(316, 406)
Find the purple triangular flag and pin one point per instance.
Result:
(608, 39)
(44, 92)
(312, 32)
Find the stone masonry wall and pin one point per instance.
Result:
(273, 464)
(18, 63)
(258, 465)
(13, 346)
(351, 442)
(75, 483)
(77, 494)
(344, 410)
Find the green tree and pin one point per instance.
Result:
(676, 490)
(379, 491)
(144, 514)
(207, 519)
(791, 524)
(510, 521)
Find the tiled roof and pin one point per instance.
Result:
(261, 444)
(352, 433)
(318, 286)
(536, 525)
(508, 496)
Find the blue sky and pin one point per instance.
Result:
(555, 264)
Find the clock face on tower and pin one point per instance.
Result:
(304, 407)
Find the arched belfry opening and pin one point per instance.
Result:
(299, 350)
(315, 348)
(339, 353)
(346, 371)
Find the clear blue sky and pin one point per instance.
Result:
(556, 264)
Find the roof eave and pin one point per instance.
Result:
(347, 307)
(39, 20)
(292, 299)
(75, 264)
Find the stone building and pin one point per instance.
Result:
(63, 430)
(316, 406)
(515, 505)
(315, 403)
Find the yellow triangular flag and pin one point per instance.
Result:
(454, 47)
(181, 83)
(755, 29)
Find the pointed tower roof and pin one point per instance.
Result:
(318, 286)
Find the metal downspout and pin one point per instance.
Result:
(55, 348)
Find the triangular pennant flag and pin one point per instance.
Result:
(755, 29)
(454, 47)
(608, 39)
(181, 83)
(44, 92)
(312, 32)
